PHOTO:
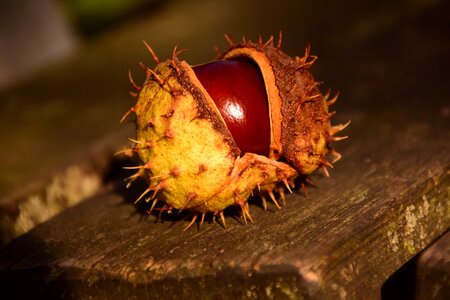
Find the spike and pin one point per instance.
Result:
(174, 57)
(135, 86)
(330, 114)
(282, 197)
(134, 176)
(310, 182)
(191, 196)
(155, 58)
(313, 97)
(152, 207)
(157, 188)
(162, 209)
(126, 114)
(165, 207)
(229, 40)
(272, 196)
(172, 61)
(218, 51)
(280, 39)
(259, 184)
(333, 100)
(148, 190)
(300, 67)
(202, 219)
(337, 156)
(192, 222)
(260, 41)
(146, 144)
(143, 67)
(244, 41)
(325, 162)
(247, 211)
(303, 61)
(335, 129)
(327, 95)
(286, 183)
(264, 202)
(135, 141)
(135, 167)
(313, 60)
(155, 76)
(146, 166)
(222, 217)
(244, 216)
(177, 52)
(314, 85)
(325, 170)
(307, 50)
(269, 41)
(127, 152)
(336, 138)
(163, 176)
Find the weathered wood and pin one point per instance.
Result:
(41, 199)
(386, 201)
(433, 271)
(425, 276)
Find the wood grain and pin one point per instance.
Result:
(385, 202)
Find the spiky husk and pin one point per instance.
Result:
(299, 112)
(190, 159)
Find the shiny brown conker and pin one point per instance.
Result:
(238, 90)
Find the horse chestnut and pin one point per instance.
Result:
(237, 89)
(209, 136)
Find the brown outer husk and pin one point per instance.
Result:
(302, 118)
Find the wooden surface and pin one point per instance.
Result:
(386, 200)
(433, 271)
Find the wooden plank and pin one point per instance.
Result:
(386, 201)
(433, 271)
(41, 199)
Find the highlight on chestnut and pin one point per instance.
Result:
(251, 122)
